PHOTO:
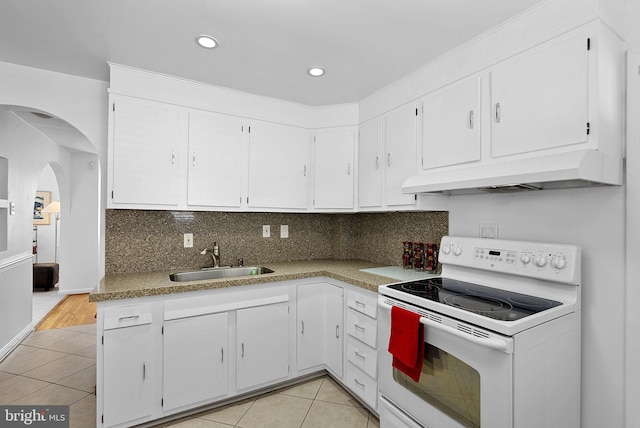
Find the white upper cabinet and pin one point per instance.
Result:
(370, 164)
(539, 100)
(400, 153)
(215, 161)
(451, 125)
(145, 148)
(278, 166)
(387, 156)
(334, 168)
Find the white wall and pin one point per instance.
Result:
(82, 103)
(28, 152)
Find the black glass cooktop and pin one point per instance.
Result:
(487, 301)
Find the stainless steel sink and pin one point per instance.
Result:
(230, 272)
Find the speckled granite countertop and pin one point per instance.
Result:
(132, 285)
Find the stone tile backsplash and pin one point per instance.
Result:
(146, 241)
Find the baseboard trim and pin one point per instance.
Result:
(6, 350)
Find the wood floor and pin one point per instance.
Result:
(74, 309)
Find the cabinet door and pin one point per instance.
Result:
(400, 153)
(540, 99)
(310, 325)
(195, 360)
(128, 371)
(215, 160)
(146, 146)
(370, 164)
(451, 125)
(334, 328)
(333, 168)
(278, 166)
(262, 345)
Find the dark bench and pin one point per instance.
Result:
(45, 275)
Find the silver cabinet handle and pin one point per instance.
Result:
(173, 157)
(361, 385)
(302, 327)
(497, 112)
(242, 354)
(194, 159)
(389, 159)
(377, 162)
(144, 371)
(359, 327)
(349, 168)
(360, 356)
(337, 331)
(359, 303)
(470, 119)
(130, 317)
(222, 355)
(305, 171)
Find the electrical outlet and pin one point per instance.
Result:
(266, 231)
(284, 231)
(188, 240)
(489, 230)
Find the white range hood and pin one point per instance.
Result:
(569, 169)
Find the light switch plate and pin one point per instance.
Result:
(188, 240)
(266, 231)
(284, 231)
(489, 230)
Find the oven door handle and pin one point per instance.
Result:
(488, 342)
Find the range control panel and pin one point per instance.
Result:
(555, 262)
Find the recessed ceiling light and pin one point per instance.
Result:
(207, 41)
(315, 71)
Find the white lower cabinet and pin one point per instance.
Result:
(262, 345)
(163, 355)
(195, 360)
(319, 327)
(129, 364)
(362, 347)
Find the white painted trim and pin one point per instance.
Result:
(16, 341)
(13, 261)
(632, 250)
(76, 291)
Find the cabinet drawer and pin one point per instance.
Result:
(127, 316)
(361, 327)
(362, 356)
(361, 302)
(362, 385)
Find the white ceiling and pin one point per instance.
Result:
(265, 48)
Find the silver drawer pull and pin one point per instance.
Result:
(144, 371)
(498, 113)
(361, 385)
(302, 322)
(242, 355)
(358, 303)
(359, 355)
(173, 157)
(470, 119)
(377, 161)
(222, 355)
(337, 331)
(358, 327)
(194, 159)
(130, 317)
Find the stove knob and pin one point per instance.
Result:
(558, 263)
(525, 259)
(540, 261)
(446, 249)
(457, 251)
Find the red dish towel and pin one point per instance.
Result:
(406, 343)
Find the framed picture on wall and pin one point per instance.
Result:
(42, 200)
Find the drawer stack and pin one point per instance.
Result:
(361, 328)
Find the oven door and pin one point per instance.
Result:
(466, 378)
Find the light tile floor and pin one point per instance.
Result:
(58, 367)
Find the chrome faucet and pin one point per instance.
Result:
(215, 254)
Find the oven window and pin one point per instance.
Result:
(448, 384)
